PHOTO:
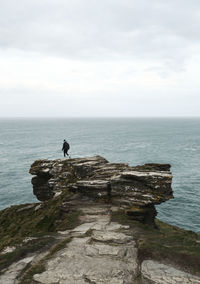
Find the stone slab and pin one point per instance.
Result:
(158, 273)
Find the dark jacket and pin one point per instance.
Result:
(65, 146)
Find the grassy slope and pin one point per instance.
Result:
(17, 224)
(167, 243)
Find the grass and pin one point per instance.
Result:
(40, 267)
(17, 224)
(21, 251)
(36, 269)
(167, 243)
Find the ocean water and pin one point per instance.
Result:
(135, 140)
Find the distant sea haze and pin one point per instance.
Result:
(133, 140)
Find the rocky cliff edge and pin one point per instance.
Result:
(96, 224)
(133, 189)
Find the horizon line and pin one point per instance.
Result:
(93, 117)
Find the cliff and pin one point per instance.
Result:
(135, 190)
(96, 224)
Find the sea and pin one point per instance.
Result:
(128, 140)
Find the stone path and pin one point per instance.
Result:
(100, 252)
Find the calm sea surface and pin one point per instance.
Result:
(136, 141)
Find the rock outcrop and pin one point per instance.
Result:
(133, 189)
(86, 228)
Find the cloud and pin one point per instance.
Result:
(108, 57)
(110, 29)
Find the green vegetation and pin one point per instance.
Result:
(17, 222)
(22, 221)
(36, 269)
(22, 251)
(166, 243)
(40, 267)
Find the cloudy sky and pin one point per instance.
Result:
(61, 58)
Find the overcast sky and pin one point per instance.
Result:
(61, 58)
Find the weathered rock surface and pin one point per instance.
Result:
(134, 189)
(100, 247)
(98, 253)
(10, 275)
(158, 273)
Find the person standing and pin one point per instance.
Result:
(65, 148)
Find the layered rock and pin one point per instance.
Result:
(93, 241)
(133, 189)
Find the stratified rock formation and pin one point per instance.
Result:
(86, 228)
(134, 189)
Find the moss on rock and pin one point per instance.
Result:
(166, 243)
(40, 266)
(21, 221)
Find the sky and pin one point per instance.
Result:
(99, 58)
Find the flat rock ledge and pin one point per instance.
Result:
(99, 252)
(155, 272)
(133, 189)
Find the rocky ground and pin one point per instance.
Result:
(97, 251)
(78, 236)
